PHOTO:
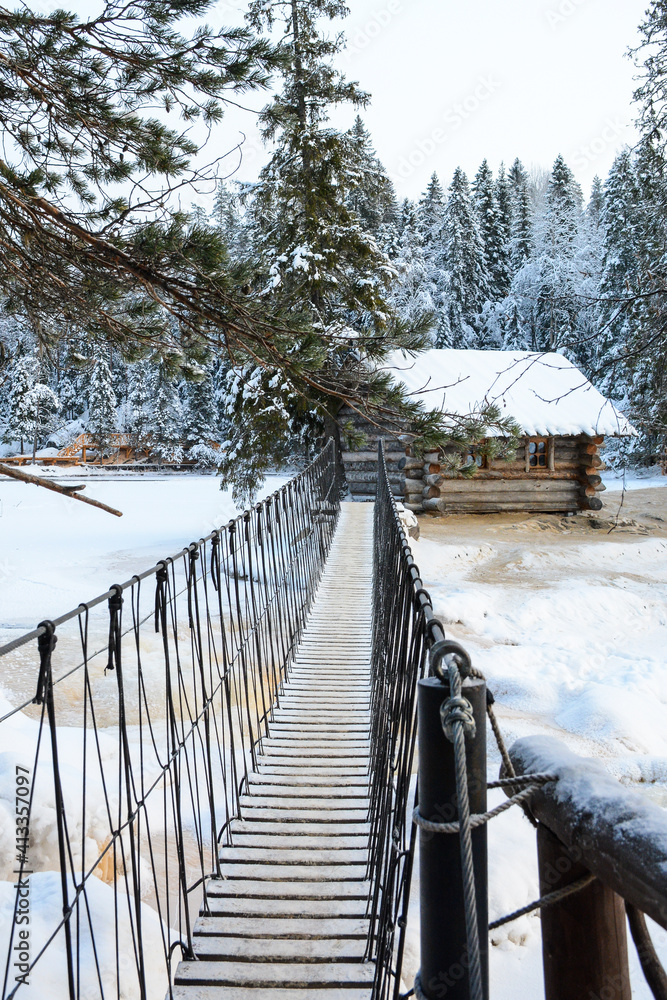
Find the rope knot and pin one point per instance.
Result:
(457, 710)
(115, 629)
(45, 644)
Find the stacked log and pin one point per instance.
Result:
(591, 466)
(361, 466)
(413, 470)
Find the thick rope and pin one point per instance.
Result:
(465, 836)
(552, 897)
(479, 819)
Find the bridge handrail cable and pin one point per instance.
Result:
(137, 756)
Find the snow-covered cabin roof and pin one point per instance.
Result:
(545, 393)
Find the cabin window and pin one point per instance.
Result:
(473, 457)
(537, 451)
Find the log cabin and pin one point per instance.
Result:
(563, 422)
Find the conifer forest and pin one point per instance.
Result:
(229, 335)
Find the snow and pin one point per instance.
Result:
(56, 552)
(635, 479)
(544, 393)
(571, 634)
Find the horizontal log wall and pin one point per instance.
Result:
(361, 466)
(569, 482)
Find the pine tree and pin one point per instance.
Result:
(315, 250)
(83, 243)
(102, 417)
(468, 285)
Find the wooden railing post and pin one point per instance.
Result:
(444, 949)
(584, 942)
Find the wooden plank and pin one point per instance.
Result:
(278, 889)
(282, 927)
(310, 907)
(266, 993)
(286, 827)
(229, 949)
(289, 912)
(292, 842)
(293, 855)
(294, 874)
(284, 840)
(258, 975)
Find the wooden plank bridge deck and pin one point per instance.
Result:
(288, 917)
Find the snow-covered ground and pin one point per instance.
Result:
(56, 552)
(634, 479)
(567, 618)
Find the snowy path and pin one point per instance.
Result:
(288, 915)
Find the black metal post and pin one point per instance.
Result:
(444, 951)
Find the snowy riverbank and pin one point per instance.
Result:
(569, 623)
(56, 552)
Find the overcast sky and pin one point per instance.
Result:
(453, 82)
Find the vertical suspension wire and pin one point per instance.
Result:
(403, 629)
(168, 717)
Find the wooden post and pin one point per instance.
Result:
(584, 943)
(444, 951)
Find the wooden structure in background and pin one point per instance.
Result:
(554, 474)
(556, 468)
(120, 450)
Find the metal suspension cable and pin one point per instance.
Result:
(162, 718)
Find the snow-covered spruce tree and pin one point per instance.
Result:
(418, 290)
(142, 389)
(468, 285)
(486, 205)
(503, 194)
(43, 407)
(21, 379)
(167, 421)
(645, 350)
(102, 416)
(199, 422)
(521, 234)
(431, 209)
(371, 194)
(553, 272)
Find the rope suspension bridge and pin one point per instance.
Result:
(215, 797)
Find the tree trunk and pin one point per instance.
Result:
(34, 439)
